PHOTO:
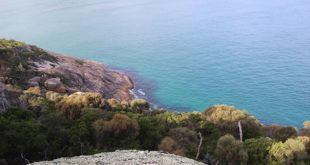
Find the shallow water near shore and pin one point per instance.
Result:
(254, 55)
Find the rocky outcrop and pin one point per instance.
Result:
(3, 100)
(55, 84)
(125, 157)
(23, 66)
(87, 76)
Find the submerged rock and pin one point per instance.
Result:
(125, 157)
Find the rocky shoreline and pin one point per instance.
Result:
(91, 76)
(23, 66)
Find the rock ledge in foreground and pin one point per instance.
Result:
(124, 157)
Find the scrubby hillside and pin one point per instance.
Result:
(25, 67)
(57, 106)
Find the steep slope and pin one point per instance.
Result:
(23, 66)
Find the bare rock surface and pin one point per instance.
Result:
(124, 157)
(23, 66)
(87, 76)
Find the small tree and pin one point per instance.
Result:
(171, 146)
(21, 135)
(279, 132)
(258, 150)
(185, 139)
(226, 119)
(152, 130)
(120, 132)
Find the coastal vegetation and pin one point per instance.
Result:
(34, 135)
(48, 121)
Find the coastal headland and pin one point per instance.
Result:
(54, 105)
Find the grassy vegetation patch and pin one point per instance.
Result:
(8, 44)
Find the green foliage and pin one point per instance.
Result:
(73, 104)
(306, 141)
(152, 130)
(115, 105)
(57, 128)
(35, 102)
(54, 96)
(279, 132)
(120, 132)
(171, 146)
(226, 118)
(183, 142)
(60, 125)
(8, 44)
(210, 136)
(290, 152)
(258, 150)
(139, 105)
(8, 49)
(230, 151)
(21, 134)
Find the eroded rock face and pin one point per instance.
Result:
(125, 157)
(23, 66)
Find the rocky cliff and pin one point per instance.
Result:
(23, 66)
(125, 157)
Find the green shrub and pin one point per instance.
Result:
(8, 44)
(114, 105)
(184, 142)
(152, 130)
(258, 150)
(226, 118)
(120, 132)
(73, 104)
(139, 105)
(290, 152)
(279, 132)
(170, 145)
(230, 151)
(54, 96)
(21, 134)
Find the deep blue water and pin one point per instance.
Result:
(251, 54)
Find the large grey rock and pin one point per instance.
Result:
(54, 84)
(34, 81)
(124, 157)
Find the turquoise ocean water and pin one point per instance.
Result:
(196, 53)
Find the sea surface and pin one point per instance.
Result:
(189, 54)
